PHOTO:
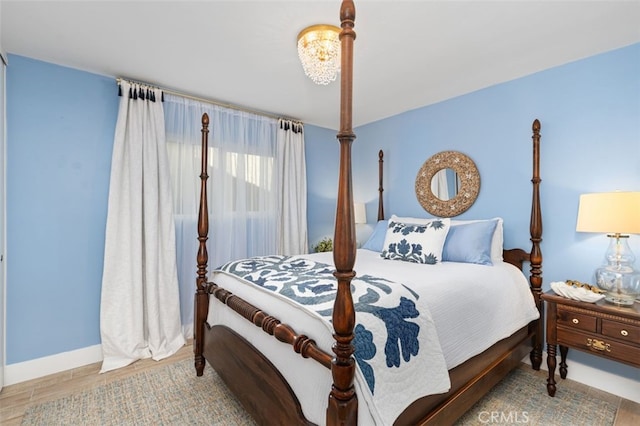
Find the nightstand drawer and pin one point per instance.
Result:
(576, 320)
(621, 331)
(600, 345)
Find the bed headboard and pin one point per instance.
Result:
(516, 256)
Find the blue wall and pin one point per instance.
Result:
(590, 115)
(60, 127)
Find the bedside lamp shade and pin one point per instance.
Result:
(616, 214)
(359, 213)
(609, 212)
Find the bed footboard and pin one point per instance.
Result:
(252, 378)
(301, 344)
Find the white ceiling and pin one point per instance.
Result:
(408, 54)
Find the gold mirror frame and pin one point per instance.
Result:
(468, 190)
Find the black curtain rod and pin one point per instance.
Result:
(209, 101)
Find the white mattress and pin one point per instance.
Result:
(472, 307)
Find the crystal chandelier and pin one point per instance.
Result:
(319, 52)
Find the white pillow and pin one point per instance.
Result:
(497, 242)
(416, 242)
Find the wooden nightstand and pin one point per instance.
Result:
(601, 329)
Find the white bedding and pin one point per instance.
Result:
(472, 307)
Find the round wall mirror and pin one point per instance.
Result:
(447, 184)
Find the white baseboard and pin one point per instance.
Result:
(40, 367)
(624, 387)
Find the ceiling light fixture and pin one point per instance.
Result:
(319, 52)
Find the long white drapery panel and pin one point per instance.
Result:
(243, 187)
(139, 310)
(292, 225)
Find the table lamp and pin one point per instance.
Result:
(617, 214)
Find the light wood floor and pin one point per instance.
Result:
(15, 399)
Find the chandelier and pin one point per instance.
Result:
(319, 52)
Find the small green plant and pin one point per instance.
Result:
(326, 244)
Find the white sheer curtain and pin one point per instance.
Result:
(292, 225)
(243, 187)
(139, 309)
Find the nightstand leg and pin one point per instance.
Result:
(551, 364)
(563, 361)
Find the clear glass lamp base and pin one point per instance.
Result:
(622, 286)
(618, 277)
(620, 299)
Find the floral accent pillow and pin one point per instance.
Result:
(419, 243)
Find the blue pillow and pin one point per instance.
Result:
(469, 243)
(376, 240)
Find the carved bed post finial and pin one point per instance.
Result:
(202, 298)
(535, 229)
(342, 408)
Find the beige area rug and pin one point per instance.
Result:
(173, 395)
(521, 398)
(169, 395)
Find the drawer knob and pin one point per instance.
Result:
(575, 321)
(624, 333)
(598, 345)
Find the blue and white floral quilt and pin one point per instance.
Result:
(396, 345)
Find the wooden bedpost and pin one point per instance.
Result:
(380, 187)
(535, 229)
(202, 297)
(342, 407)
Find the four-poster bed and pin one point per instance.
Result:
(235, 336)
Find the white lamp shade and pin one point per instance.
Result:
(609, 212)
(359, 213)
